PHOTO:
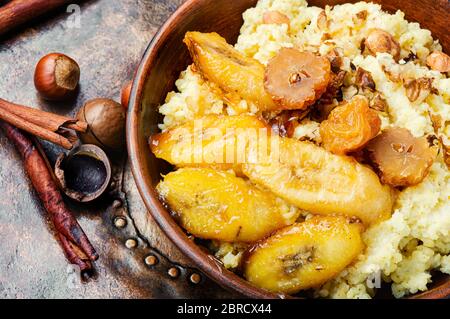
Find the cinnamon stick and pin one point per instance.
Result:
(74, 241)
(17, 12)
(50, 121)
(35, 129)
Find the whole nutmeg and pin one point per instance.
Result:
(380, 41)
(56, 76)
(106, 119)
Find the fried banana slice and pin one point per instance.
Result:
(302, 173)
(318, 181)
(217, 205)
(233, 72)
(304, 255)
(213, 140)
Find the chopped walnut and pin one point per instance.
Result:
(392, 76)
(411, 57)
(360, 17)
(322, 20)
(380, 41)
(436, 120)
(439, 61)
(335, 60)
(325, 104)
(362, 45)
(418, 89)
(378, 103)
(285, 123)
(364, 80)
(326, 37)
(334, 87)
(362, 14)
(446, 151)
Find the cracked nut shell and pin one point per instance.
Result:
(84, 174)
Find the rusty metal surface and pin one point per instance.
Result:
(108, 44)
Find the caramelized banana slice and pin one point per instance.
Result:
(218, 205)
(304, 255)
(222, 141)
(297, 79)
(232, 71)
(315, 180)
(302, 173)
(402, 159)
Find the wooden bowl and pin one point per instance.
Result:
(162, 63)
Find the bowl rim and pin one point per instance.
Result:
(205, 262)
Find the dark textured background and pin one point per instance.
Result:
(108, 47)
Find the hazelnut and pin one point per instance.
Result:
(106, 119)
(380, 41)
(275, 17)
(56, 76)
(439, 61)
